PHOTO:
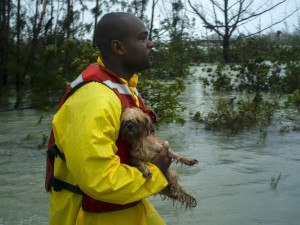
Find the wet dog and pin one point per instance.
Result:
(137, 129)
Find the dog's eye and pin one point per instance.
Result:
(138, 121)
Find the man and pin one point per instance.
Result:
(88, 167)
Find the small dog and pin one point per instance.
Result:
(138, 129)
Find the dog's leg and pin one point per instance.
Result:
(176, 192)
(181, 159)
(142, 167)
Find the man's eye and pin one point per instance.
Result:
(143, 37)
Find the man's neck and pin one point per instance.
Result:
(120, 72)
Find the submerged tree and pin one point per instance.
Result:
(5, 17)
(225, 16)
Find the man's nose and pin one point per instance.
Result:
(150, 44)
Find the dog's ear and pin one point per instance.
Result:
(149, 125)
(123, 109)
(122, 113)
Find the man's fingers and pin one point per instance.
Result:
(165, 147)
(163, 160)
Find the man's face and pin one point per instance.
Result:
(138, 56)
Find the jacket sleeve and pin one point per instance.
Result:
(86, 129)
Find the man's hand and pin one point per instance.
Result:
(163, 160)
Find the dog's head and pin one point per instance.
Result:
(135, 124)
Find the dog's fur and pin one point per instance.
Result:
(137, 129)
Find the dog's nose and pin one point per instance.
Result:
(130, 127)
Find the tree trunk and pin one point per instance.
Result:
(143, 9)
(68, 27)
(135, 7)
(69, 19)
(52, 16)
(152, 18)
(39, 27)
(35, 39)
(4, 37)
(226, 37)
(19, 81)
(226, 43)
(96, 13)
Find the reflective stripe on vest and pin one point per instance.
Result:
(122, 88)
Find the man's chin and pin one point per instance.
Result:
(145, 67)
(148, 66)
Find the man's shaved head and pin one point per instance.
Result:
(122, 39)
(112, 26)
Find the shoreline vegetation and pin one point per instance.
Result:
(42, 52)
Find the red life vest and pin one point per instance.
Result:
(100, 74)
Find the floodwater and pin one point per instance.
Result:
(232, 182)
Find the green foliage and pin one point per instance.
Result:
(294, 99)
(86, 54)
(206, 54)
(172, 59)
(284, 129)
(287, 51)
(291, 79)
(69, 43)
(252, 49)
(237, 116)
(50, 51)
(197, 117)
(43, 145)
(252, 76)
(162, 97)
(280, 74)
(219, 78)
(205, 81)
(48, 82)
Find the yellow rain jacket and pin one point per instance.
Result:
(86, 129)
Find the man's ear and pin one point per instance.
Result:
(118, 47)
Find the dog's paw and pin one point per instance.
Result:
(189, 161)
(147, 174)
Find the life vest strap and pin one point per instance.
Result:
(79, 85)
(54, 152)
(59, 185)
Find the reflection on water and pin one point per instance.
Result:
(232, 182)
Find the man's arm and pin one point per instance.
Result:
(163, 161)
